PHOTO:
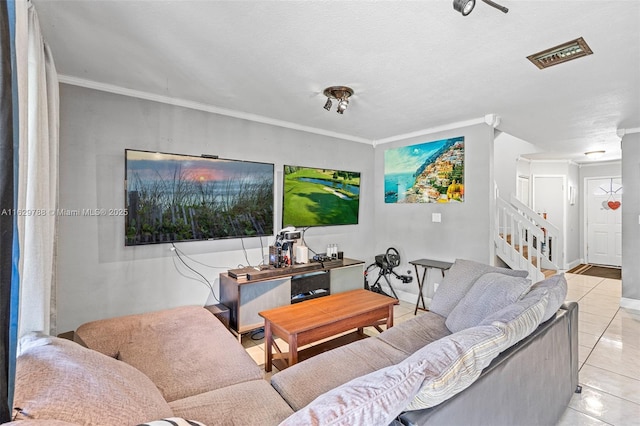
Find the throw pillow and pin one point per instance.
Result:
(490, 293)
(59, 379)
(373, 399)
(557, 289)
(454, 362)
(458, 280)
(520, 319)
(172, 421)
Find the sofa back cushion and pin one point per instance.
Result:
(454, 362)
(556, 287)
(57, 379)
(185, 351)
(376, 398)
(458, 280)
(521, 318)
(490, 293)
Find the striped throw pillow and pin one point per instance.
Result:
(172, 421)
(454, 362)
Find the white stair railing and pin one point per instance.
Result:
(552, 241)
(520, 242)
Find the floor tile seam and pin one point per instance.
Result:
(610, 394)
(590, 416)
(617, 374)
(598, 316)
(597, 341)
(587, 346)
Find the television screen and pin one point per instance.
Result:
(172, 197)
(319, 197)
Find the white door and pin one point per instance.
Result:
(549, 197)
(604, 221)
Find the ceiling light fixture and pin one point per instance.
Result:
(592, 155)
(339, 93)
(466, 6)
(564, 52)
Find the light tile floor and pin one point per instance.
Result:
(609, 353)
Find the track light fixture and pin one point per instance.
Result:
(466, 6)
(339, 93)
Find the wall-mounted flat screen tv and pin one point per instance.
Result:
(173, 197)
(319, 197)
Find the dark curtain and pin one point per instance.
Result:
(6, 211)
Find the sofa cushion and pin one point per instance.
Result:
(32, 422)
(303, 382)
(454, 362)
(411, 335)
(458, 280)
(246, 403)
(59, 379)
(373, 399)
(180, 363)
(490, 293)
(557, 289)
(520, 319)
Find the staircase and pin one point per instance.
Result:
(525, 240)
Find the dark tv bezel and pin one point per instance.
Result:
(191, 157)
(285, 224)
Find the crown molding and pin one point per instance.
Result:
(424, 132)
(110, 88)
(622, 132)
(600, 163)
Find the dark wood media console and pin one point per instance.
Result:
(255, 291)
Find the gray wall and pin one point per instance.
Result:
(630, 215)
(465, 228)
(98, 277)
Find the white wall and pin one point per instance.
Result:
(507, 152)
(98, 277)
(465, 230)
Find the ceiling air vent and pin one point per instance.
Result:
(565, 52)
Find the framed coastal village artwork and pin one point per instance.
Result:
(430, 172)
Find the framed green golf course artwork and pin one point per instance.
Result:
(430, 172)
(319, 197)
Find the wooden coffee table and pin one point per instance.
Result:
(313, 320)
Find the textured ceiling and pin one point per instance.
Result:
(414, 65)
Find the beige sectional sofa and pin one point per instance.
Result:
(179, 362)
(486, 325)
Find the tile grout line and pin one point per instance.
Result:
(605, 329)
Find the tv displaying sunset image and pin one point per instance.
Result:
(171, 197)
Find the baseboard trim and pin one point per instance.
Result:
(628, 303)
(406, 296)
(573, 264)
